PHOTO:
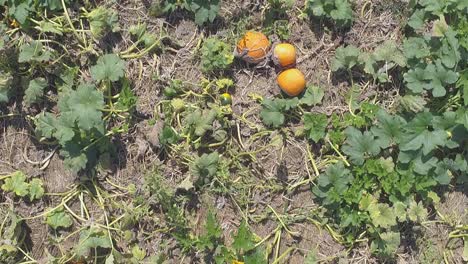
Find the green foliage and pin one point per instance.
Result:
(275, 21)
(6, 81)
(127, 99)
(312, 96)
(433, 61)
(243, 239)
(12, 234)
(141, 34)
(382, 215)
(102, 21)
(59, 219)
(421, 134)
(345, 58)
(168, 136)
(386, 244)
(212, 236)
(360, 146)
(215, 55)
(401, 159)
(378, 63)
(201, 121)
(388, 130)
(315, 125)
(274, 110)
(21, 10)
(339, 11)
(382, 168)
(36, 189)
(204, 10)
(34, 52)
(205, 168)
(108, 67)
(35, 90)
(433, 77)
(244, 245)
(173, 89)
(163, 196)
(16, 183)
(416, 212)
(91, 238)
(384, 58)
(78, 127)
(332, 184)
(412, 103)
(394, 160)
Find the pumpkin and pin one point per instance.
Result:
(284, 55)
(291, 81)
(253, 47)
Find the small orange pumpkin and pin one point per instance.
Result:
(291, 81)
(253, 47)
(284, 55)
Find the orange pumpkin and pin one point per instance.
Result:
(292, 81)
(284, 55)
(253, 47)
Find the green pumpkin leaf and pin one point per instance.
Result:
(16, 183)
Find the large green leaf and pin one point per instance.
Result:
(59, 218)
(315, 125)
(92, 238)
(360, 146)
(35, 90)
(16, 183)
(108, 67)
(388, 131)
(84, 105)
(418, 135)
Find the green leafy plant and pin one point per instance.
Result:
(276, 18)
(382, 60)
(274, 110)
(102, 21)
(34, 52)
(79, 127)
(12, 235)
(168, 136)
(346, 58)
(339, 11)
(378, 63)
(211, 239)
(21, 10)
(215, 55)
(35, 90)
(315, 126)
(204, 10)
(92, 238)
(142, 36)
(201, 121)
(394, 180)
(59, 219)
(205, 168)
(6, 80)
(16, 183)
(108, 67)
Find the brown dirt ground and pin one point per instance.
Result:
(284, 165)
